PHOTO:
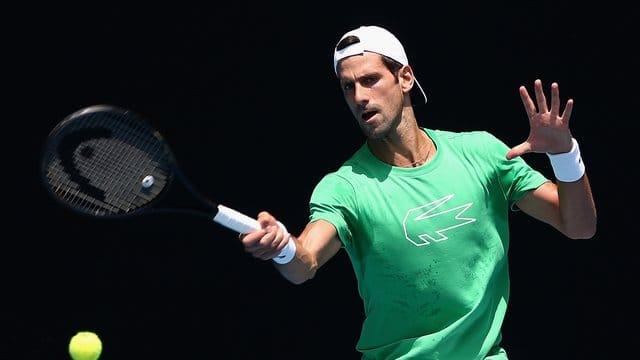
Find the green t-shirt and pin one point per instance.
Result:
(429, 245)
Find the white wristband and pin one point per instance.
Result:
(289, 251)
(568, 167)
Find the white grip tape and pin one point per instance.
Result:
(244, 224)
(289, 251)
(235, 220)
(568, 167)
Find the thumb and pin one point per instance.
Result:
(518, 150)
(266, 219)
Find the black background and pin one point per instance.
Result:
(247, 97)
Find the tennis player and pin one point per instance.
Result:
(423, 213)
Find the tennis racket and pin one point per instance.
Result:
(109, 162)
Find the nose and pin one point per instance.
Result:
(360, 94)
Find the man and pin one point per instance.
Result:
(423, 213)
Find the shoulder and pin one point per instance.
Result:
(473, 140)
(471, 135)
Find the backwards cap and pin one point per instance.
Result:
(374, 39)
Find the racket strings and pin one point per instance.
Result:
(124, 160)
(103, 171)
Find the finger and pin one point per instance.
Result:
(271, 239)
(555, 100)
(275, 243)
(259, 250)
(540, 98)
(264, 251)
(529, 106)
(265, 216)
(252, 239)
(284, 243)
(518, 150)
(566, 115)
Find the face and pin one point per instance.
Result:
(373, 93)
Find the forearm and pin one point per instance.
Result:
(577, 208)
(301, 268)
(576, 205)
(314, 247)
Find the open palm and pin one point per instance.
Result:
(549, 129)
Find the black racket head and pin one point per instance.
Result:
(106, 161)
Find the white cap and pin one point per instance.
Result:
(374, 39)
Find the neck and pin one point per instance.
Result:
(425, 147)
(423, 160)
(413, 151)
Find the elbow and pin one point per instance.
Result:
(581, 236)
(584, 235)
(299, 272)
(298, 280)
(584, 232)
(300, 277)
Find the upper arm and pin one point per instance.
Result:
(320, 241)
(543, 204)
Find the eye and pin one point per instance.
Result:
(369, 80)
(347, 86)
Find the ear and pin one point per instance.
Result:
(406, 78)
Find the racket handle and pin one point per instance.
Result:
(243, 224)
(236, 220)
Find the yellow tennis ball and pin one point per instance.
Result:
(85, 345)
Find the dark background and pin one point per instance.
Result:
(247, 97)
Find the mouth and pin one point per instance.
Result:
(367, 115)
